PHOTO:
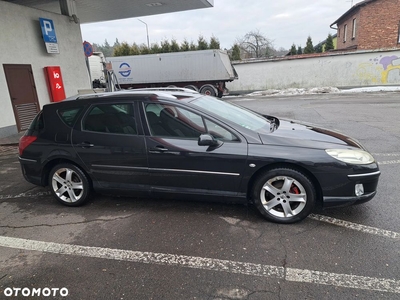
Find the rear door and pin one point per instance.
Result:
(108, 142)
(178, 164)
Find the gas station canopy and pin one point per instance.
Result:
(90, 11)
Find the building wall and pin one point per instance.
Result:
(351, 69)
(380, 25)
(350, 41)
(22, 43)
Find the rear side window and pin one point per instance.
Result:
(37, 124)
(70, 115)
(111, 118)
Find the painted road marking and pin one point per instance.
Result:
(386, 154)
(234, 221)
(355, 226)
(39, 194)
(218, 265)
(389, 162)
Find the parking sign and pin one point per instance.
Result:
(49, 35)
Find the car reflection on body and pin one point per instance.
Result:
(183, 144)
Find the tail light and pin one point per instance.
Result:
(25, 141)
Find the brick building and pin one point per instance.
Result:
(369, 25)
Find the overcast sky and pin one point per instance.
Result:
(283, 21)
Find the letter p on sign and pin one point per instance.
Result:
(47, 27)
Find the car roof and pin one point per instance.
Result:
(158, 93)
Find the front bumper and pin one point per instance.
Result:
(369, 182)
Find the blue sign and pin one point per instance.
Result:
(48, 30)
(87, 49)
(125, 69)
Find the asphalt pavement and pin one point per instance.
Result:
(134, 248)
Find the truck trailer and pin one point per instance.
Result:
(205, 71)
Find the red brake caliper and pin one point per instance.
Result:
(294, 189)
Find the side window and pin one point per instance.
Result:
(69, 115)
(110, 118)
(173, 121)
(219, 132)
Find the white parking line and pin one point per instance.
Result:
(38, 194)
(389, 162)
(355, 226)
(217, 265)
(386, 154)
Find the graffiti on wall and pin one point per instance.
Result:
(380, 70)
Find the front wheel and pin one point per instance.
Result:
(69, 185)
(284, 195)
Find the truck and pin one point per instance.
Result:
(205, 71)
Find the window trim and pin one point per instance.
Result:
(398, 35)
(345, 33)
(354, 28)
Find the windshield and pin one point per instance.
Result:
(233, 113)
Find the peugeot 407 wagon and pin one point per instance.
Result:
(186, 145)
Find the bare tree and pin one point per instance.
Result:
(255, 44)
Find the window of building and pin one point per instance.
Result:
(338, 32)
(398, 38)
(345, 33)
(354, 28)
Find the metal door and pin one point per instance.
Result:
(22, 89)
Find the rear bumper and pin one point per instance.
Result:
(31, 170)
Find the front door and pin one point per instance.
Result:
(178, 164)
(22, 89)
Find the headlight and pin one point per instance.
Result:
(355, 157)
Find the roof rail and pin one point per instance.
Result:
(167, 89)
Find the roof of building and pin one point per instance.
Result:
(90, 11)
(353, 9)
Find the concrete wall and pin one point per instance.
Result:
(337, 70)
(21, 42)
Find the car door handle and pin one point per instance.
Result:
(158, 149)
(85, 145)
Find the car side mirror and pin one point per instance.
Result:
(208, 140)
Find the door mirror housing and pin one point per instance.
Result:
(208, 140)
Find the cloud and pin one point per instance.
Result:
(285, 22)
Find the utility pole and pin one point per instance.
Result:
(147, 32)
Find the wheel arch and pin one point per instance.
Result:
(293, 166)
(55, 161)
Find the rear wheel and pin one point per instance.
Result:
(192, 87)
(208, 89)
(284, 195)
(69, 185)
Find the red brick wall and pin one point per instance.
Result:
(380, 23)
(377, 26)
(350, 41)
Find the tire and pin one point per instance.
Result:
(192, 87)
(284, 195)
(208, 89)
(69, 185)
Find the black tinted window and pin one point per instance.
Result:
(69, 115)
(111, 118)
(37, 123)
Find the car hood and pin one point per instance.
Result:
(296, 134)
